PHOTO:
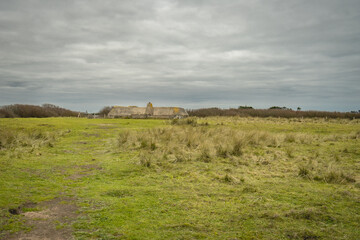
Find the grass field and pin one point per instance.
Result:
(209, 178)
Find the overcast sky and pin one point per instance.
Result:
(84, 55)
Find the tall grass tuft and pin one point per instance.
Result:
(205, 155)
(183, 141)
(221, 151)
(304, 172)
(145, 159)
(10, 139)
(122, 138)
(237, 149)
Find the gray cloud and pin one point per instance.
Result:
(87, 54)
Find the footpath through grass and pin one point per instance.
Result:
(211, 178)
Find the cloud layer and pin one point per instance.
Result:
(87, 54)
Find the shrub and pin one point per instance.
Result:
(277, 107)
(105, 111)
(272, 112)
(245, 107)
(26, 111)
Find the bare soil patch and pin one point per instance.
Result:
(53, 221)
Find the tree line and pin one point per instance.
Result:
(28, 111)
(271, 112)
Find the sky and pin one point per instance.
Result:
(84, 55)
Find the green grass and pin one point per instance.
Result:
(211, 178)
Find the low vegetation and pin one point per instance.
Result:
(225, 144)
(194, 178)
(283, 112)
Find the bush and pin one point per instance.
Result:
(277, 107)
(272, 112)
(105, 111)
(26, 111)
(245, 107)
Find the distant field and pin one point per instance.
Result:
(208, 178)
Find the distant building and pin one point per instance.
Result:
(147, 112)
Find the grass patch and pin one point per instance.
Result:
(209, 178)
